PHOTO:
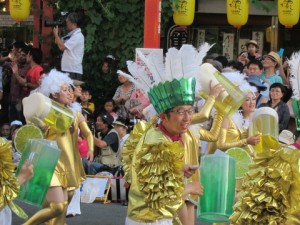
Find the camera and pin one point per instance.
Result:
(60, 21)
(55, 23)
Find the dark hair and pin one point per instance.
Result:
(236, 65)
(110, 100)
(279, 85)
(74, 17)
(36, 54)
(19, 44)
(84, 89)
(25, 49)
(223, 60)
(255, 62)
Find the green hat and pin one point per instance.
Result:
(169, 94)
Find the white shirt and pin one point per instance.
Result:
(73, 54)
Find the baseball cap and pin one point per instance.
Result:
(106, 117)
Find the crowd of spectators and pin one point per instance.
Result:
(21, 74)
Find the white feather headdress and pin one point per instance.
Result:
(240, 80)
(52, 83)
(294, 64)
(179, 64)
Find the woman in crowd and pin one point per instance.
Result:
(123, 93)
(277, 92)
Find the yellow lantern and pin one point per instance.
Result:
(19, 9)
(237, 12)
(288, 12)
(184, 12)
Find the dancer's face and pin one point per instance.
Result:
(178, 120)
(249, 103)
(64, 96)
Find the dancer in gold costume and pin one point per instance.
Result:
(191, 156)
(69, 171)
(154, 157)
(9, 183)
(234, 132)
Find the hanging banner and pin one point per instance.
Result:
(200, 37)
(228, 44)
(242, 45)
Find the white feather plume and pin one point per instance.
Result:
(294, 64)
(188, 56)
(240, 80)
(173, 64)
(154, 65)
(141, 78)
(203, 49)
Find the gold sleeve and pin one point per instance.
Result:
(212, 134)
(224, 142)
(85, 130)
(204, 112)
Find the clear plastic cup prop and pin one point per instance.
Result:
(264, 121)
(230, 100)
(43, 155)
(218, 180)
(40, 110)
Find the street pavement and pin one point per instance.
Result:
(91, 214)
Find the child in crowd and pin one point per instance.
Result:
(109, 107)
(5, 131)
(85, 100)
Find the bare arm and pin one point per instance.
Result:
(58, 40)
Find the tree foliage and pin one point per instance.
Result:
(110, 27)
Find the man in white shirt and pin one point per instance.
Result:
(72, 46)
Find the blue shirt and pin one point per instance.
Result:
(272, 79)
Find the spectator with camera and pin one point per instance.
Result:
(72, 46)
